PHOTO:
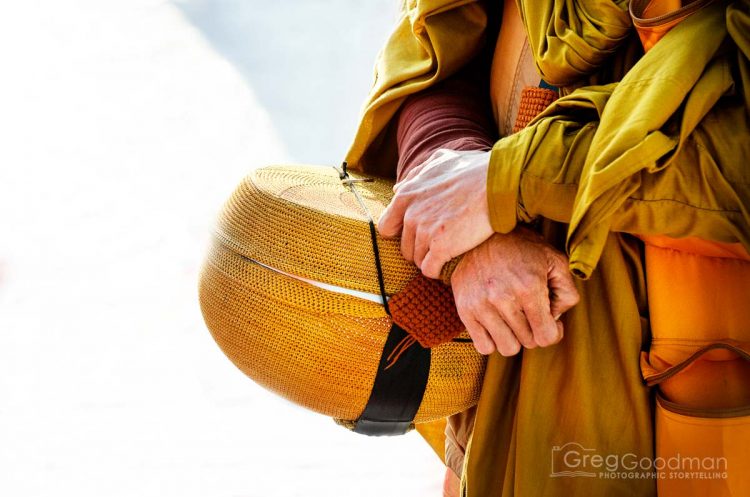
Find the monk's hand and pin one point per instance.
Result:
(440, 209)
(511, 291)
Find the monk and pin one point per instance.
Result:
(635, 178)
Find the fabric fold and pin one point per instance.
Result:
(432, 40)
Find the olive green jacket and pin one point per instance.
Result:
(666, 150)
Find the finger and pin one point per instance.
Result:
(482, 340)
(479, 336)
(392, 218)
(520, 328)
(433, 262)
(505, 341)
(539, 316)
(515, 318)
(407, 239)
(522, 332)
(563, 292)
(421, 246)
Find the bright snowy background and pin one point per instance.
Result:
(123, 126)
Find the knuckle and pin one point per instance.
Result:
(435, 252)
(493, 297)
(550, 337)
(476, 337)
(481, 344)
(575, 297)
(486, 301)
(437, 240)
(465, 306)
(526, 340)
(431, 270)
(404, 189)
(544, 341)
(483, 348)
(509, 349)
(410, 221)
(525, 291)
(420, 242)
(535, 319)
(570, 301)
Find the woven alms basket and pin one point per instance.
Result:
(291, 294)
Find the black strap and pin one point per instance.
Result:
(345, 179)
(399, 385)
(398, 390)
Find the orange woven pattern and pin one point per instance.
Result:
(427, 311)
(533, 102)
(302, 220)
(316, 347)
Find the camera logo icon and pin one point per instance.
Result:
(572, 460)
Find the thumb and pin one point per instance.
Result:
(433, 263)
(563, 292)
(391, 220)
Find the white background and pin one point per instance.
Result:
(123, 127)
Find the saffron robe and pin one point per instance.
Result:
(660, 147)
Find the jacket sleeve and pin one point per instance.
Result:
(432, 40)
(649, 155)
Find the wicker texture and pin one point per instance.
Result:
(315, 347)
(302, 220)
(533, 102)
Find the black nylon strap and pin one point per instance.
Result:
(398, 390)
(399, 386)
(344, 176)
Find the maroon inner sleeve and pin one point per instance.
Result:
(455, 115)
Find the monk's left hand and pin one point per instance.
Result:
(440, 209)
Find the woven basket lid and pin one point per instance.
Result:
(290, 293)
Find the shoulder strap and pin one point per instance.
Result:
(654, 376)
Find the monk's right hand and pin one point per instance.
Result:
(511, 290)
